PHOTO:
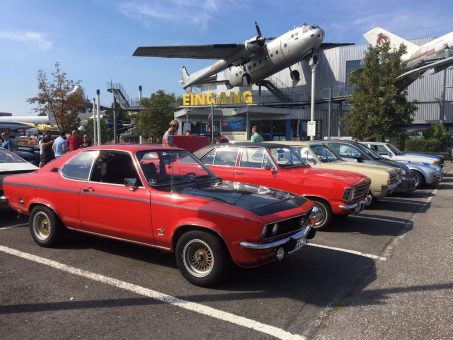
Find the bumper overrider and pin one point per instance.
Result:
(3, 200)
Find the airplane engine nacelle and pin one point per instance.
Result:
(254, 45)
(440, 47)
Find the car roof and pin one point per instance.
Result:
(131, 147)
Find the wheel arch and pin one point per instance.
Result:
(195, 227)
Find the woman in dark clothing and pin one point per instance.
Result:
(47, 153)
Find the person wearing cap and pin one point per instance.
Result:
(167, 139)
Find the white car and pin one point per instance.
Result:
(390, 151)
(11, 164)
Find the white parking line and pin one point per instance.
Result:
(377, 218)
(355, 252)
(195, 307)
(434, 193)
(14, 226)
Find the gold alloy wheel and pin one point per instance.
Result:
(41, 225)
(198, 258)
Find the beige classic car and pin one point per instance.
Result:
(383, 178)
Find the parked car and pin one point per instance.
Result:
(163, 198)
(354, 152)
(12, 164)
(388, 150)
(335, 193)
(384, 178)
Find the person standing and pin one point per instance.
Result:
(167, 139)
(256, 137)
(74, 141)
(46, 154)
(86, 141)
(7, 142)
(59, 145)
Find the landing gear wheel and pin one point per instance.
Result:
(45, 227)
(325, 212)
(202, 258)
(246, 80)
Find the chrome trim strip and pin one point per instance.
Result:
(120, 239)
(348, 207)
(265, 246)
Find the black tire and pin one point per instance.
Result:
(45, 226)
(419, 179)
(326, 213)
(212, 262)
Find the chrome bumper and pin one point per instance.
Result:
(359, 205)
(303, 235)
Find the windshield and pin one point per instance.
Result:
(168, 169)
(286, 157)
(324, 154)
(9, 157)
(368, 152)
(395, 150)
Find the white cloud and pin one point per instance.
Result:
(195, 12)
(36, 39)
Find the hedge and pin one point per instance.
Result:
(423, 145)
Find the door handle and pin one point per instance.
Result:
(239, 172)
(90, 189)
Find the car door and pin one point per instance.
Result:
(107, 206)
(222, 161)
(255, 167)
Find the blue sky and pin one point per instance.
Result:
(94, 39)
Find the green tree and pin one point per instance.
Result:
(56, 97)
(153, 121)
(106, 133)
(436, 131)
(379, 105)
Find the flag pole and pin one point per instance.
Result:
(212, 123)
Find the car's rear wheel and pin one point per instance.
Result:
(202, 258)
(419, 179)
(45, 226)
(325, 212)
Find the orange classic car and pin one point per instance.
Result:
(163, 198)
(334, 192)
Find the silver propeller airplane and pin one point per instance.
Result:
(435, 55)
(246, 63)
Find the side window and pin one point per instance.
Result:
(252, 158)
(347, 151)
(382, 150)
(226, 156)
(114, 167)
(306, 156)
(209, 158)
(335, 148)
(79, 166)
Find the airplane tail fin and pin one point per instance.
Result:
(378, 36)
(185, 76)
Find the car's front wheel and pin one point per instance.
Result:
(202, 258)
(45, 226)
(419, 179)
(325, 214)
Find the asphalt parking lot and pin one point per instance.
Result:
(334, 288)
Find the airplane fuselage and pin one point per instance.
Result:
(278, 54)
(437, 49)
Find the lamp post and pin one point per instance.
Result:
(313, 64)
(98, 94)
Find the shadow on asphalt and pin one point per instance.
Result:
(401, 205)
(367, 225)
(444, 186)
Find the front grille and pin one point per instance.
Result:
(361, 190)
(285, 226)
(393, 178)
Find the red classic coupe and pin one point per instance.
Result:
(333, 192)
(163, 198)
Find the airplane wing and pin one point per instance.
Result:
(216, 51)
(326, 46)
(436, 67)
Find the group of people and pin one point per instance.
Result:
(167, 139)
(51, 149)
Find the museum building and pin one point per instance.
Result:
(280, 106)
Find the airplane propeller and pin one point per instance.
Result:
(259, 39)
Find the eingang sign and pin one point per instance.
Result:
(211, 98)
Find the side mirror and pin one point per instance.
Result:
(359, 159)
(131, 183)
